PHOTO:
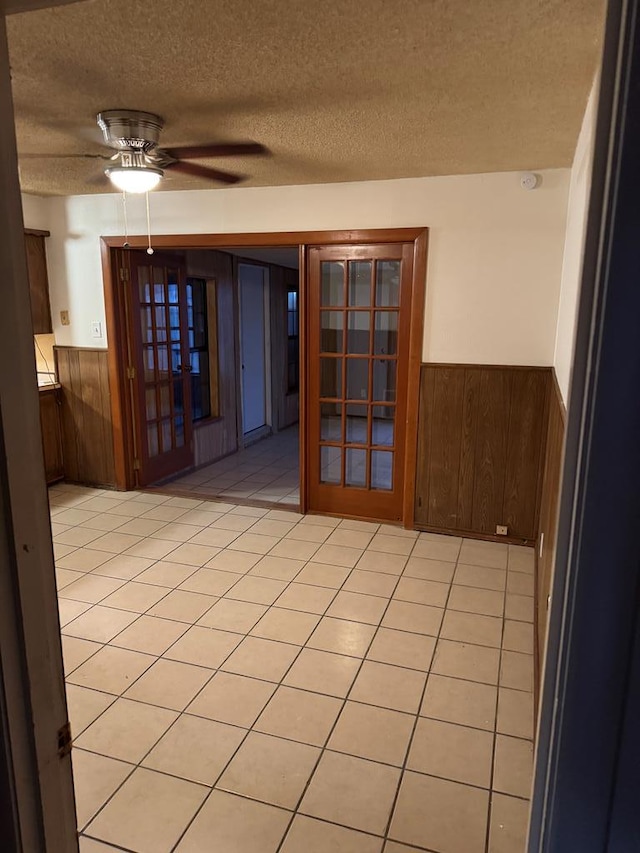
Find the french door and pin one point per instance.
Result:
(359, 315)
(159, 325)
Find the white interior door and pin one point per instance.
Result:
(252, 340)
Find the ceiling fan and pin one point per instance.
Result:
(139, 164)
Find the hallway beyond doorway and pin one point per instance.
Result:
(267, 472)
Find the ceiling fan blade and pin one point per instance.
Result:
(205, 172)
(63, 157)
(217, 149)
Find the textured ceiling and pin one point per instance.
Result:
(337, 90)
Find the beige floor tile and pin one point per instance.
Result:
(337, 555)
(452, 752)
(310, 599)
(154, 549)
(77, 536)
(239, 523)
(100, 624)
(375, 733)
(206, 647)
(343, 537)
(379, 561)
(64, 577)
(231, 615)
(91, 588)
(125, 567)
(278, 568)
(169, 684)
(195, 749)
(127, 730)
(516, 671)
(521, 559)
(358, 608)
(111, 670)
(106, 523)
(364, 526)
(481, 577)
(237, 824)
(440, 549)
(149, 813)
(323, 520)
(115, 542)
(322, 574)
(429, 570)
(82, 559)
(464, 702)
(520, 584)
(440, 815)
(270, 769)
(165, 513)
(310, 533)
(247, 511)
(136, 597)
(89, 845)
(397, 530)
(317, 836)
(255, 543)
(238, 562)
(233, 699)
(513, 766)
(150, 634)
(370, 583)
(490, 554)
(352, 792)
(272, 527)
(518, 637)
(193, 554)
(394, 847)
(323, 672)
(210, 582)
(213, 538)
(257, 590)
(472, 628)
(74, 516)
(509, 824)
(166, 574)
(391, 687)
(296, 549)
(182, 606)
(519, 608)
(515, 713)
(465, 660)
(141, 526)
(342, 637)
(288, 626)
(391, 544)
(85, 706)
(95, 779)
(260, 658)
(413, 651)
(61, 551)
(419, 618)
(418, 591)
(299, 715)
(486, 602)
(68, 610)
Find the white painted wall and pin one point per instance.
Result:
(495, 251)
(579, 189)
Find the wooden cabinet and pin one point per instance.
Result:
(51, 433)
(38, 282)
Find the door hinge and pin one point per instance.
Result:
(136, 465)
(124, 274)
(131, 373)
(64, 740)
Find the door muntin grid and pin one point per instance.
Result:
(359, 320)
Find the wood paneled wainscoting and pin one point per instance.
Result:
(481, 449)
(87, 430)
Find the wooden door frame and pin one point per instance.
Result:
(120, 399)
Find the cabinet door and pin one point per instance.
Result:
(51, 435)
(38, 284)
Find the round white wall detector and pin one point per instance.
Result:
(528, 181)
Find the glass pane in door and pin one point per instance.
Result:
(332, 287)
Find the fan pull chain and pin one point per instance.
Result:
(149, 249)
(125, 245)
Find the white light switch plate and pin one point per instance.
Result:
(96, 329)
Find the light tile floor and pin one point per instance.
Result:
(252, 681)
(267, 471)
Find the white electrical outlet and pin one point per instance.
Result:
(502, 530)
(96, 329)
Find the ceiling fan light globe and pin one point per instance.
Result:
(134, 179)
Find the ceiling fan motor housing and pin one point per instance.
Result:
(130, 130)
